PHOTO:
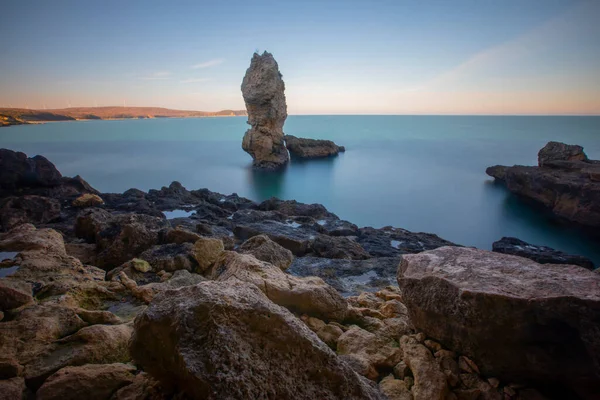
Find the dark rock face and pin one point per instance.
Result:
(482, 303)
(263, 91)
(556, 151)
(16, 170)
(311, 148)
(27, 209)
(392, 242)
(566, 183)
(540, 254)
(227, 340)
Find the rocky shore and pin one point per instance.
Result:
(102, 296)
(565, 182)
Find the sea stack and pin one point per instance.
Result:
(263, 91)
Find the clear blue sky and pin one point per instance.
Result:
(388, 57)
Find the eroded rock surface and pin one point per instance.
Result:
(263, 91)
(482, 303)
(228, 340)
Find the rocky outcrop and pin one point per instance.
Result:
(540, 254)
(267, 250)
(17, 170)
(565, 182)
(556, 151)
(311, 148)
(227, 340)
(263, 91)
(482, 303)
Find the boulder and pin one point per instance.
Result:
(13, 389)
(263, 91)
(308, 295)
(90, 381)
(311, 148)
(556, 151)
(169, 257)
(540, 254)
(206, 252)
(265, 249)
(395, 389)
(481, 303)
(338, 247)
(18, 171)
(88, 200)
(228, 340)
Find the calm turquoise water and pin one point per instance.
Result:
(422, 173)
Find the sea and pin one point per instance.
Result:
(421, 173)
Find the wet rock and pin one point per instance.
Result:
(338, 247)
(540, 254)
(430, 381)
(556, 151)
(180, 235)
(263, 91)
(88, 200)
(27, 209)
(311, 148)
(481, 303)
(227, 340)
(349, 277)
(393, 242)
(293, 208)
(90, 381)
(265, 249)
(564, 183)
(309, 295)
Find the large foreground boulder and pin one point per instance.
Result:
(519, 320)
(311, 148)
(263, 91)
(227, 340)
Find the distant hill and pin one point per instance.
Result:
(14, 116)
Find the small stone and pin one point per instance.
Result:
(207, 252)
(330, 334)
(409, 381)
(433, 346)
(313, 323)
(467, 365)
(494, 382)
(141, 265)
(395, 389)
(393, 308)
(420, 337)
(401, 370)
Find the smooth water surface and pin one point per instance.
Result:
(422, 173)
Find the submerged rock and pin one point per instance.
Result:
(519, 320)
(565, 182)
(311, 148)
(540, 254)
(228, 340)
(263, 91)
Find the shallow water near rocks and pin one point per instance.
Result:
(178, 214)
(8, 255)
(422, 173)
(4, 272)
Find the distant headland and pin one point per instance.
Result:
(18, 116)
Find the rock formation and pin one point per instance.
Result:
(311, 148)
(565, 182)
(482, 303)
(263, 91)
(540, 254)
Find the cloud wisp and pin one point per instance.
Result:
(209, 63)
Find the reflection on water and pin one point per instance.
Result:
(266, 184)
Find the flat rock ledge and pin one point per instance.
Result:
(311, 148)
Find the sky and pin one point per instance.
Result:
(336, 57)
